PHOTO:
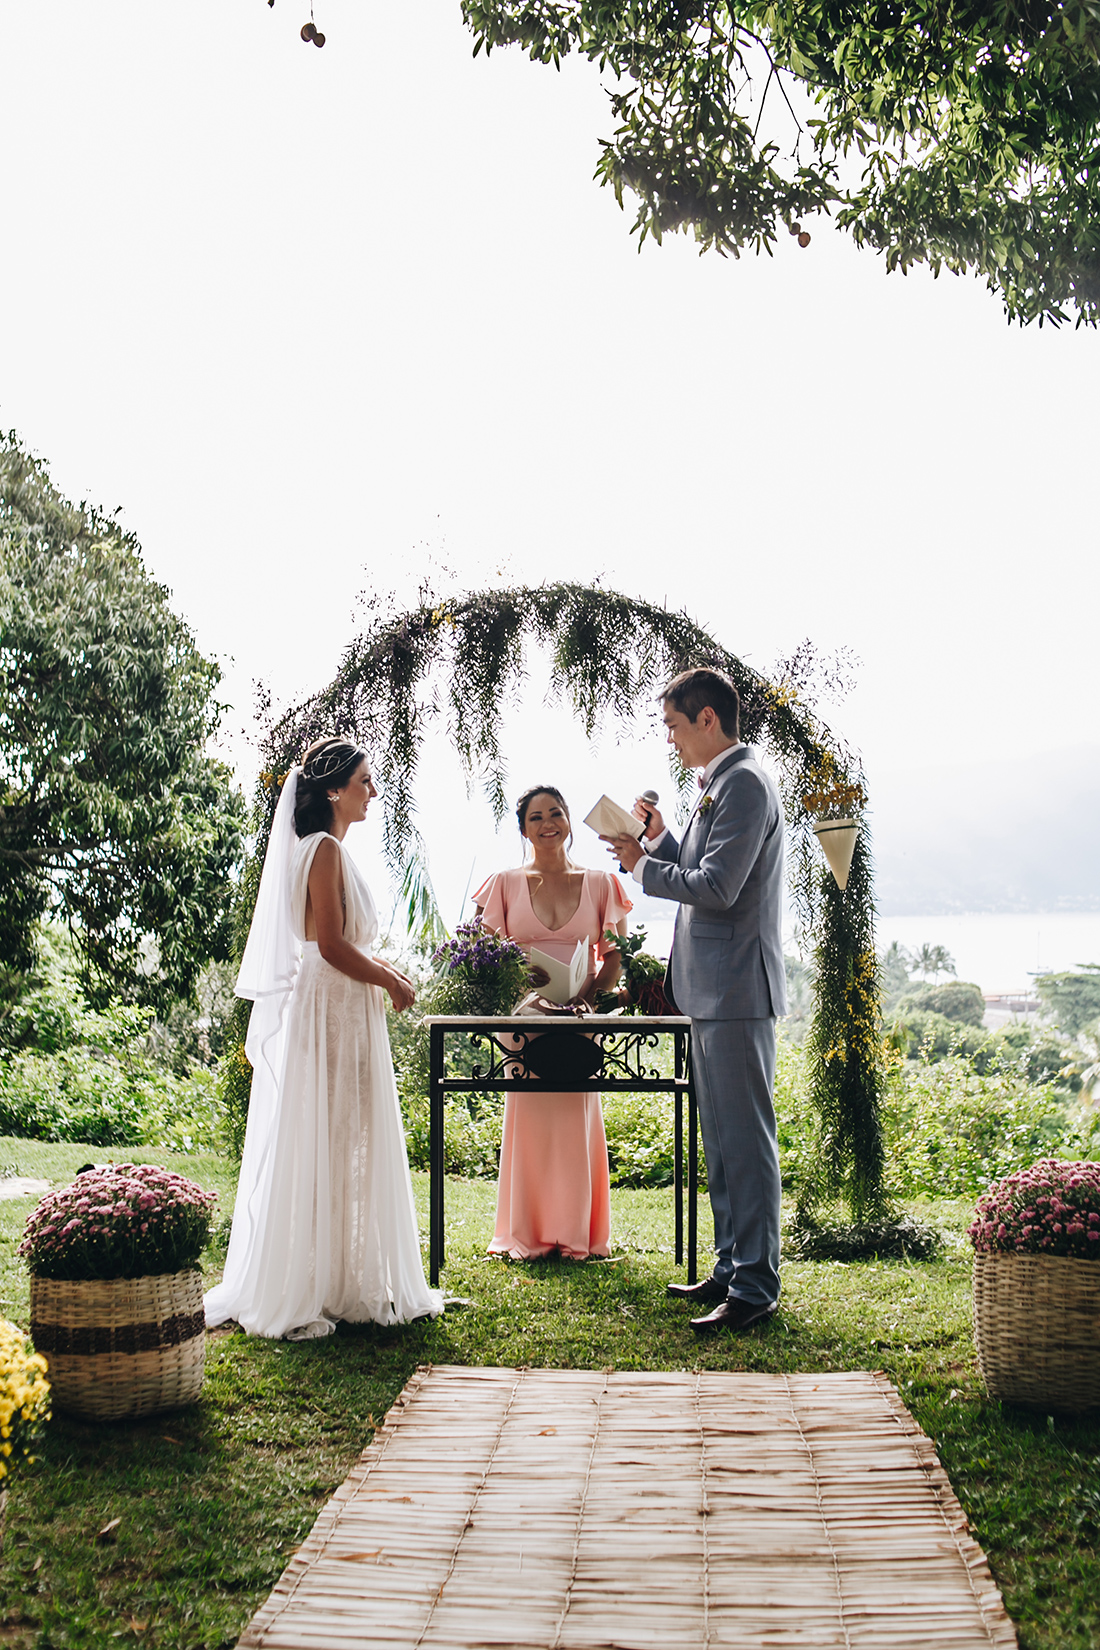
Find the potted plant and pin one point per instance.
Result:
(1036, 1237)
(116, 1294)
(642, 988)
(24, 1405)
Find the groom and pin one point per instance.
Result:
(725, 971)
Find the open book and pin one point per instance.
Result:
(566, 978)
(608, 819)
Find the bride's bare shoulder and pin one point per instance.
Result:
(327, 853)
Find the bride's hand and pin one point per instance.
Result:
(401, 989)
(538, 976)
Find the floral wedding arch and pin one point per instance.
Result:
(462, 660)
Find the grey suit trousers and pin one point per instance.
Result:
(733, 1063)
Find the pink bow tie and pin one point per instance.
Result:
(701, 782)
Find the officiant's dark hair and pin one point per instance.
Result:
(528, 797)
(327, 765)
(693, 690)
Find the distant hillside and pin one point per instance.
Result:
(989, 837)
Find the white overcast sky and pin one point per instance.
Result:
(320, 319)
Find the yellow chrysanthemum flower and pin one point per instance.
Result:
(24, 1396)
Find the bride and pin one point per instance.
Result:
(324, 1226)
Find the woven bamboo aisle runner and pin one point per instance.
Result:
(561, 1508)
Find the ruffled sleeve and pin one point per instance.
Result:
(613, 906)
(492, 896)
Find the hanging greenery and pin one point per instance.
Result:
(459, 663)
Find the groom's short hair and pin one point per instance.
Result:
(693, 690)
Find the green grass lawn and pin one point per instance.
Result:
(213, 1499)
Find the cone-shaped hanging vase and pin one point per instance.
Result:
(838, 838)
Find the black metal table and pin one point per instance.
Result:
(627, 1044)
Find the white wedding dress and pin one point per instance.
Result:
(324, 1226)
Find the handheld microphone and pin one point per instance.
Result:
(652, 798)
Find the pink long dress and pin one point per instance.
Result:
(553, 1191)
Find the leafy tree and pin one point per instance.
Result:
(110, 812)
(895, 964)
(955, 1000)
(975, 124)
(1088, 1069)
(931, 961)
(1072, 999)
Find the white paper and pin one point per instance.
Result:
(566, 978)
(608, 819)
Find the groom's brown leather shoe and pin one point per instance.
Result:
(709, 1290)
(733, 1314)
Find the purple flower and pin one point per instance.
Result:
(118, 1222)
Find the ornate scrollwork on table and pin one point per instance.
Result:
(501, 1058)
(623, 1054)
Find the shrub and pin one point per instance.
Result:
(126, 1220)
(24, 1398)
(1034, 1054)
(471, 1133)
(1050, 1208)
(639, 1130)
(1072, 998)
(795, 1120)
(90, 1095)
(68, 1072)
(1037, 1054)
(950, 1130)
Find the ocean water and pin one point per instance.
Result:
(1001, 952)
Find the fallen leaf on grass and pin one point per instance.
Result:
(107, 1533)
(168, 1439)
(137, 1626)
(37, 1565)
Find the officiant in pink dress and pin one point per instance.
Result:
(553, 1195)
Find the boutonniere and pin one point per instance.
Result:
(705, 806)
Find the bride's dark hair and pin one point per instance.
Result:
(525, 802)
(327, 765)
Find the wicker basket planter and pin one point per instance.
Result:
(1037, 1329)
(121, 1347)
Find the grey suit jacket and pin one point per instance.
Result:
(727, 875)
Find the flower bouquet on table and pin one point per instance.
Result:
(116, 1294)
(24, 1405)
(484, 974)
(1036, 1238)
(480, 973)
(642, 989)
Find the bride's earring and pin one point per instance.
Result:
(332, 796)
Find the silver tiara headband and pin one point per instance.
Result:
(326, 763)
